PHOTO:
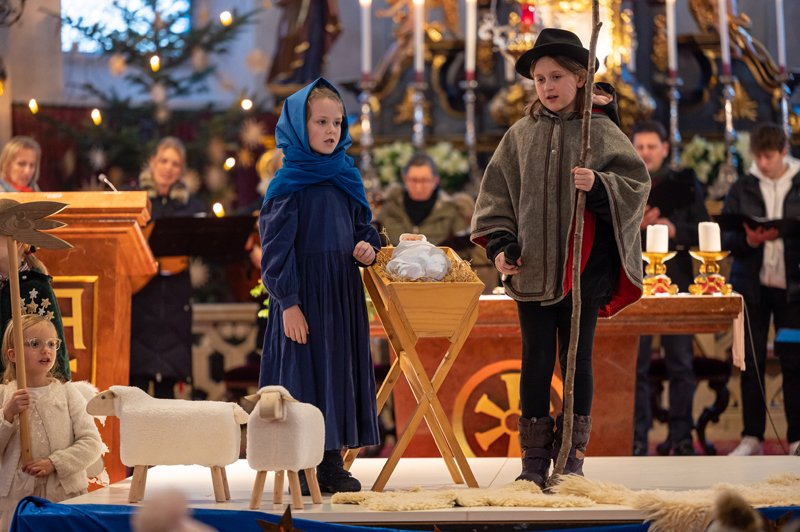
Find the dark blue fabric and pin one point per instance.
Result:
(40, 515)
(302, 166)
(307, 240)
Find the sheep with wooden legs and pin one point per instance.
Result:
(172, 432)
(284, 435)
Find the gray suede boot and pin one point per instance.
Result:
(536, 442)
(581, 428)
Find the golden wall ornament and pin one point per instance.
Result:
(508, 105)
(404, 111)
(705, 15)
(744, 107)
(749, 51)
(636, 101)
(658, 55)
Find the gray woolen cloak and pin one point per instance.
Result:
(528, 191)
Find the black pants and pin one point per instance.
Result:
(164, 389)
(546, 329)
(678, 361)
(771, 303)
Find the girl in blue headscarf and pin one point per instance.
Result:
(315, 233)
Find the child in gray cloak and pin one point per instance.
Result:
(524, 217)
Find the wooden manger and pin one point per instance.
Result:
(410, 310)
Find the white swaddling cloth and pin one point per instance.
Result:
(418, 260)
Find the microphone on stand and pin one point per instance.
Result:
(102, 178)
(512, 253)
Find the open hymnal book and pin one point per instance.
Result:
(733, 222)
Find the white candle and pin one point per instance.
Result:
(722, 8)
(657, 238)
(419, 46)
(672, 39)
(709, 236)
(472, 35)
(366, 38)
(781, 35)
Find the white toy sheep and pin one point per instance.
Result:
(284, 435)
(172, 432)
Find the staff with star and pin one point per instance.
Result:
(24, 223)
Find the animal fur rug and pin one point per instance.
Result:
(689, 511)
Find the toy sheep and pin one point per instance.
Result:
(284, 435)
(172, 432)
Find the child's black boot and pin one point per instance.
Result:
(581, 428)
(536, 443)
(333, 477)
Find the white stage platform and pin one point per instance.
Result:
(669, 473)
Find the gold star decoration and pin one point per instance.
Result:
(33, 293)
(46, 302)
(31, 308)
(284, 525)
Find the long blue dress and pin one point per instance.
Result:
(307, 241)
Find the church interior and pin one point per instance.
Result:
(165, 288)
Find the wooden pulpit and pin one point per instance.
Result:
(92, 282)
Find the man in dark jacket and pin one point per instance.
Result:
(766, 271)
(676, 200)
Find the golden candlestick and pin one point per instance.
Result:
(709, 281)
(655, 279)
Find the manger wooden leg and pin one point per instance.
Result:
(216, 480)
(440, 416)
(401, 446)
(294, 490)
(433, 424)
(384, 393)
(258, 490)
(313, 485)
(136, 492)
(277, 488)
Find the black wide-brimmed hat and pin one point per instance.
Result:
(553, 42)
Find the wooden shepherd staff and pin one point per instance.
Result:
(569, 378)
(22, 222)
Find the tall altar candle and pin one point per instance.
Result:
(781, 35)
(657, 239)
(725, 47)
(471, 41)
(708, 233)
(672, 40)
(419, 45)
(366, 39)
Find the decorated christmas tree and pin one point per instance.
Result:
(161, 57)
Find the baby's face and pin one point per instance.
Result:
(324, 125)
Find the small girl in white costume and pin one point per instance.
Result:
(64, 438)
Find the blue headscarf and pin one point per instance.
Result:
(302, 166)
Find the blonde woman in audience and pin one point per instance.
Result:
(19, 165)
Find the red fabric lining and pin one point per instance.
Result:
(589, 224)
(625, 292)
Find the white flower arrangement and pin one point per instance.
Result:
(704, 156)
(452, 163)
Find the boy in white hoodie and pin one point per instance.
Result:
(766, 271)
